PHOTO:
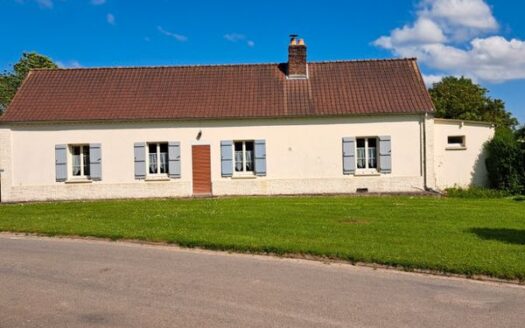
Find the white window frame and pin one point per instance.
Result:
(457, 146)
(82, 175)
(366, 169)
(244, 172)
(158, 174)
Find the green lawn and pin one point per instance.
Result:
(467, 236)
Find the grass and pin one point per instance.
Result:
(456, 235)
(476, 192)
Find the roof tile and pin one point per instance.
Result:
(217, 92)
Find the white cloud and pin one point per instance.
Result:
(69, 64)
(234, 37)
(98, 2)
(423, 31)
(453, 37)
(431, 79)
(238, 37)
(45, 3)
(460, 18)
(110, 18)
(178, 37)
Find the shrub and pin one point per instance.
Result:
(505, 162)
(520, 135)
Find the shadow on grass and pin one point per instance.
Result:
(509, 236)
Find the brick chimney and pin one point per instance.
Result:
(297, 67)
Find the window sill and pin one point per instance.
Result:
(367, 174)
(157, 178)
(456, 148)
(244, 176)
(73, 181)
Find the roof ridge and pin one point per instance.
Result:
(149, 67)
(222, 65)
(364, 60)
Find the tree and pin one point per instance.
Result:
(11, 81)
(462, 99)
(520, 136)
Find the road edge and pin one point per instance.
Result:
(287, 256)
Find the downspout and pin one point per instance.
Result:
(425, 177)
(425, 156)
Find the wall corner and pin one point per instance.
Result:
(430, 176)
(5, 164)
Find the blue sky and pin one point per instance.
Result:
(478, 38)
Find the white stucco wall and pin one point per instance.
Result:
(461, 167)
(5, 163)
(303, 156)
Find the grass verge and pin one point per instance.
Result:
(476, 192)
(454, 235)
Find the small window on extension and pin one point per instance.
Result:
(456, 142)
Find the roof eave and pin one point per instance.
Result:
(192, 119)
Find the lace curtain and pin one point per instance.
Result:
(152, 163)
(76, 164)
(361, 158)
(372, 158)
(163, 162)
(249, 160)
(238, 160)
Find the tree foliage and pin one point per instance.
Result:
(10, 81)
(505, 161)
(520, 136)
(460, 98)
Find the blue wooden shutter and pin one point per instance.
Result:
(174, 159)
(95, 161)
(227, 158)
(140, 160)
(385, 154)
(349, 155)
(61, 162)
(260, 157)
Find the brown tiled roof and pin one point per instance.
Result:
(220, 92)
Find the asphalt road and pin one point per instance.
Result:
(70, 283)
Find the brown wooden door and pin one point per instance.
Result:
(201, 170)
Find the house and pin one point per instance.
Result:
(257, 129)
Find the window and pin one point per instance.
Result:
(80, 161)
(456, 142)
(158, 158)
(243, 156)
(366, 153)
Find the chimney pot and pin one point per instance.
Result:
(293, 39)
